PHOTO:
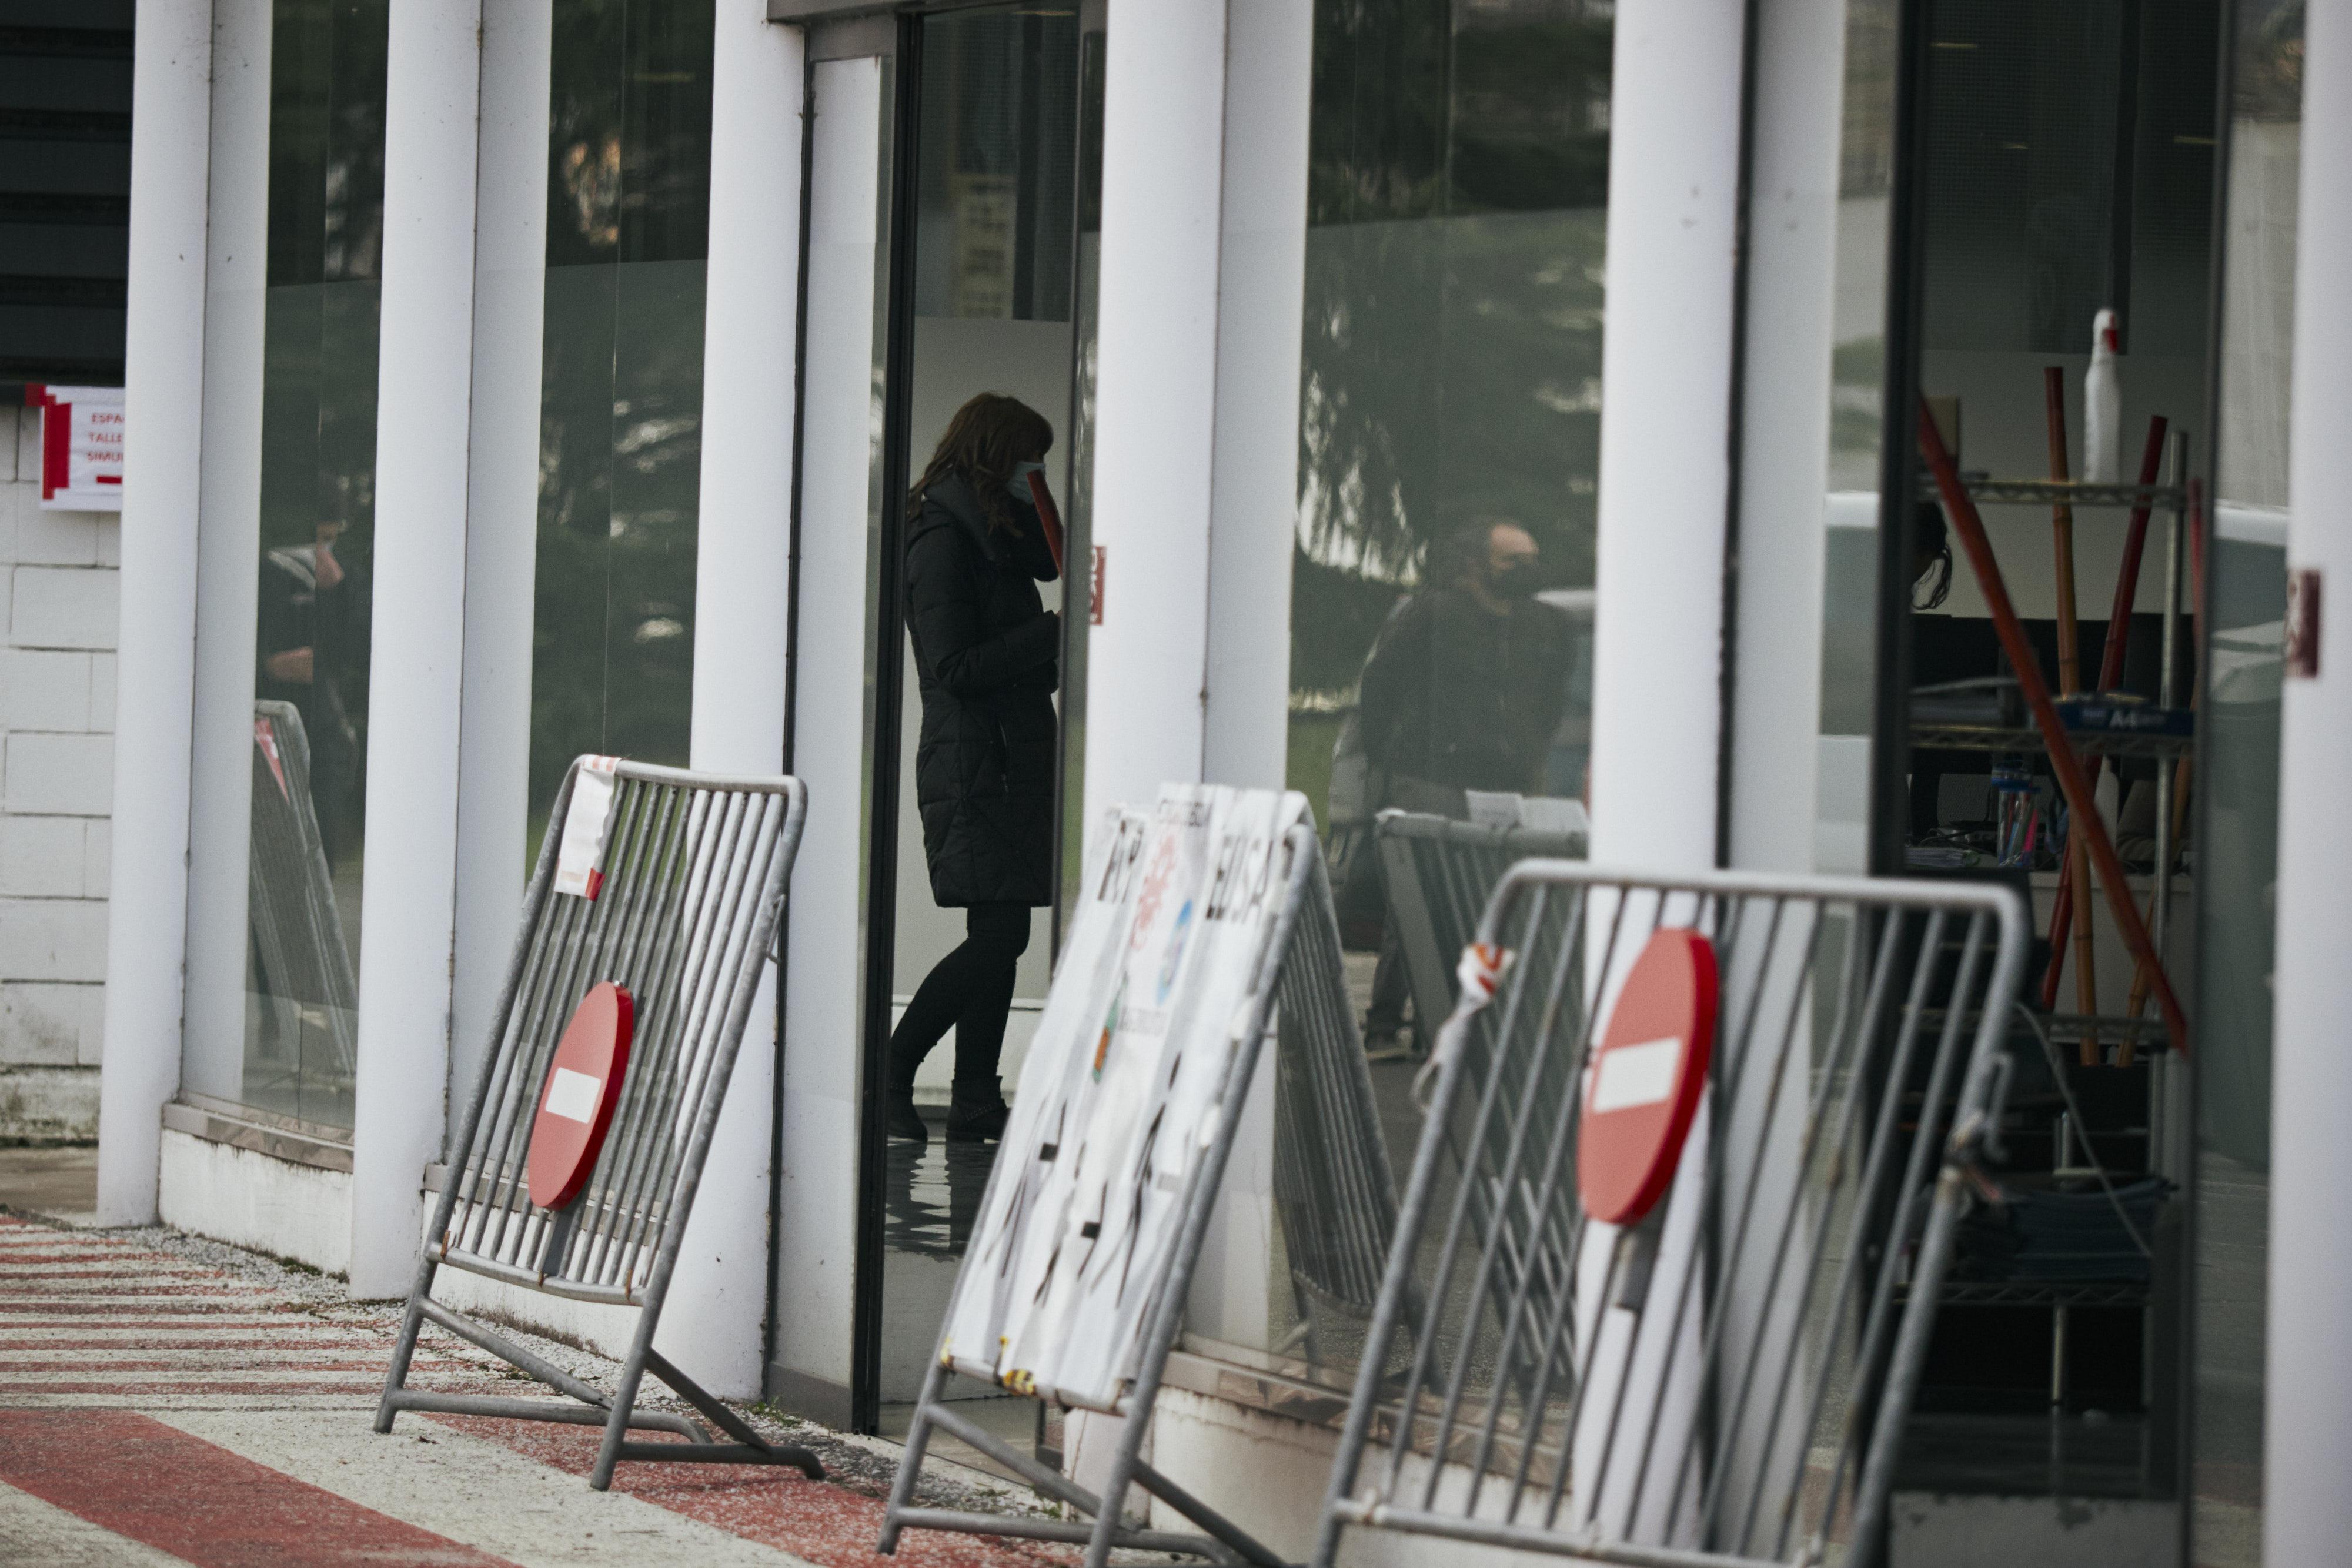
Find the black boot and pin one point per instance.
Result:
(903, 1119)
(978, 1116)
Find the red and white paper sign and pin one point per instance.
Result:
(81, 447)
(580, 853)
(584, 1084)
(1647, 1077)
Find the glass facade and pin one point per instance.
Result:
(1449, 419)
(1442, 597)
(308, 721)
(628, 220)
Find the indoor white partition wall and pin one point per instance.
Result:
(816, 1219)
(742, 588)
(155, 681)
(502, 518)
(2308, 1437)
(433, 82)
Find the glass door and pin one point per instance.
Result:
(980, 272)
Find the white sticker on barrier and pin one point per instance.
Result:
(573, 1096)
(580, 854)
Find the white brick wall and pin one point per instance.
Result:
(57, 784)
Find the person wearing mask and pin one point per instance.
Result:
(986, 653)
(1463, 691)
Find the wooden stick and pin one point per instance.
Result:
(2183, 771)
(2072, 782)
(2074, 889)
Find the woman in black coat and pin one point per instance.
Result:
(985, 652)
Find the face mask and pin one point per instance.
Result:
(1019, 484)
(1515, 581)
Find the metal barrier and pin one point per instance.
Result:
(1439, 874)
(1333, 1185)
(683, 884)
(1725, 1382)
(297, 929)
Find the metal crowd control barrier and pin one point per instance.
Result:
(1727, 1381)
(298, 929)
(1439, 874)
(694, 870)
(1333, 1188)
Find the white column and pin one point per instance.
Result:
(1666, 395)
(1665, 401)
(1254, 479)
(712, 1326)
(502, 522)
(2308, 1431)
(816, 1213)
(433, 81)
(1792, 220)
(1163, 137)
(155, 670)
(1196, 411)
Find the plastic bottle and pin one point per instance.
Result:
(2102, 405)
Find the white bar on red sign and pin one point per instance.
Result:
(1630, 1075)
(574, 1096)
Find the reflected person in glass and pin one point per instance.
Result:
(1463, 691)
(311, 618)
(986, 656)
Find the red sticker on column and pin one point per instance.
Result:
(584, 1084)
(1647, 1078)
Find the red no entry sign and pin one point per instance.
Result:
(1647, 1077)
(584, 1084)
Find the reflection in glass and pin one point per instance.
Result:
(318, 537)
(2238, 766)
(1441, 600)
(621, 386)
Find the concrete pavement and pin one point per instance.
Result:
(167, 1400)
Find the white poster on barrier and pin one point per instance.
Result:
(1120, 1092)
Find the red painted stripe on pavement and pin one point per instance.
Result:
(140, 1478)
(826, 1523)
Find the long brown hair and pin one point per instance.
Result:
(988, 438)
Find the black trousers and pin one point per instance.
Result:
(970, 991)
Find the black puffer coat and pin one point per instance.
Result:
(985, 650)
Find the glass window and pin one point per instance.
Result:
(1442, 596)
(1450, 415)
(628, 219)
(304, 731)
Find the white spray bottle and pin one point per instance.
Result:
(2103, 406)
